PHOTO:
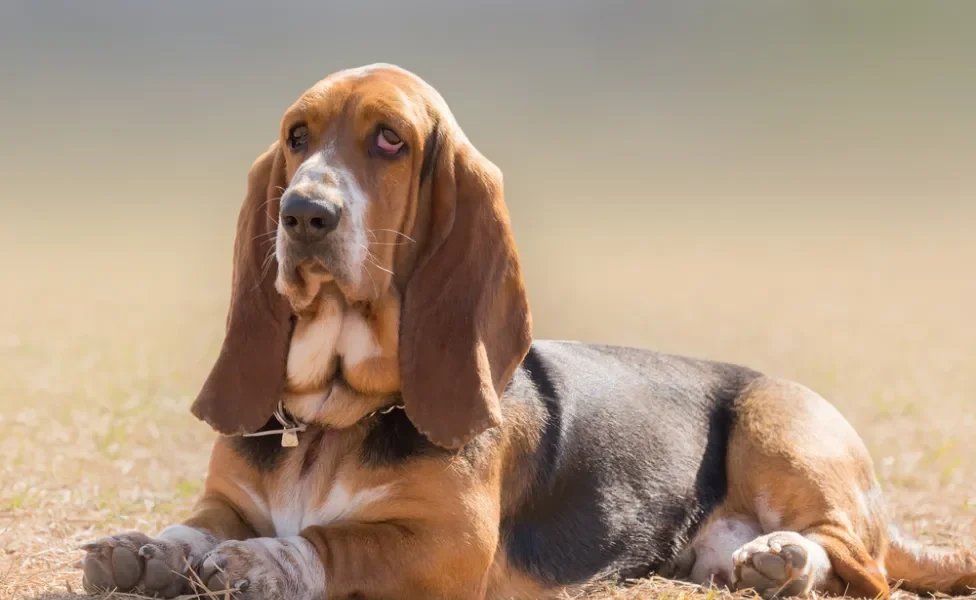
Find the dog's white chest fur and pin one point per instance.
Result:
(301, 507)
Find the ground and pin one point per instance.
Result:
(103, 345)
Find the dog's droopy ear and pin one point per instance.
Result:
(248, 378)
(465, 323)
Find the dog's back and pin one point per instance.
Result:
(631, 460)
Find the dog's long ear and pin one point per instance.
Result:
(248, 378)
(465, 323)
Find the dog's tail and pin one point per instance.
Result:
(924, 569)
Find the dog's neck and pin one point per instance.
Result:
(342, 361)
(338, 407)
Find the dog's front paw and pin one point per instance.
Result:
(133, 561)
(265, 569)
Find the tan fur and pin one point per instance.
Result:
(812, 481)
(520, 439)
(791, 453)
(432, 508)
(312, 359)
(509, 583)
(379, 371)
(927, 570)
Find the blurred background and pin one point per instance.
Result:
(787, 185)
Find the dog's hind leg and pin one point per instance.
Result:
(798, 467)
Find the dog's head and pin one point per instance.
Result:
(373, 189)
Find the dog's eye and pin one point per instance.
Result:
(297, 137)
(388, 141)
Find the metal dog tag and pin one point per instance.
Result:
(289, 439)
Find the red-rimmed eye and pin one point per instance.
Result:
(388, 141)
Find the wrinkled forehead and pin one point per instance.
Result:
(377, 93)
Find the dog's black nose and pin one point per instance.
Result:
(307, 220)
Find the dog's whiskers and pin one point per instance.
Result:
(374, 260)
(409, 239)
(387, 243)
(369, 253)
(270, 200)
(266, 234)
(384, 269)
(266, 264)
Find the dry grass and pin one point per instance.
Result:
(95, 380)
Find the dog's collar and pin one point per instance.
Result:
(291, 427)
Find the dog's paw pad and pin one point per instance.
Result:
(112, 563)
(775, 565)
(129, 562)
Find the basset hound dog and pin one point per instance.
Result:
(391, 430)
